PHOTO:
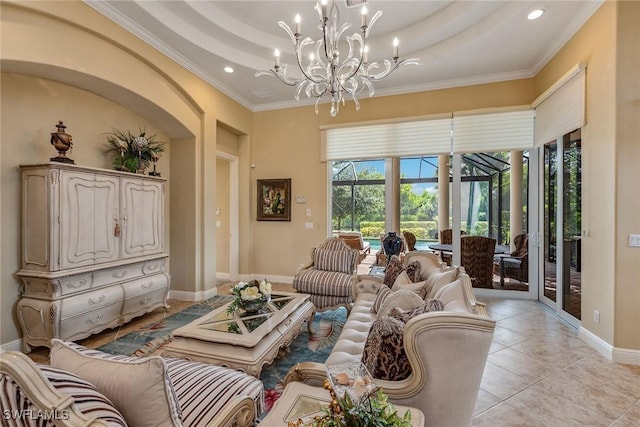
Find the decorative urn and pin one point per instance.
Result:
(61, 142)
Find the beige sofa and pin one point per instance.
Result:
(447, 350)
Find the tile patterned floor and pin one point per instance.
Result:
(538, 374)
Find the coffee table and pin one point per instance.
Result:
(302, 401)
(241, 341)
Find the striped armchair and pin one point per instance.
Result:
(330, 277)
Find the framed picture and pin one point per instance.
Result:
(274, 199)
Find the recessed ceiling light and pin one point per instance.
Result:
(228, 70)
(535, 14)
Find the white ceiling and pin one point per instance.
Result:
(459, 42)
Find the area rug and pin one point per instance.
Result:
(315, 347)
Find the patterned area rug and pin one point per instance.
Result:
(150, 340)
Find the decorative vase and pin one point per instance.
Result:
(61, 142)
(254, 306)
(392, 244)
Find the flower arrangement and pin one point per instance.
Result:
(373, 410)
(250, 296)
(132, 153)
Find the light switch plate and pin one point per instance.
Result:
(634, 240)
(308, 225)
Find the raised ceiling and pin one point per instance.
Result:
(459, 42)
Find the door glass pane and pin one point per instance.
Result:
(572, 223)
(550, 203)
(419, 199)
(358, 197)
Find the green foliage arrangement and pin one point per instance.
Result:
(132, 153)
(372, 411)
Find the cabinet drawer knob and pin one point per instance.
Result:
(119, 274)
(94, 319)
(97, 300)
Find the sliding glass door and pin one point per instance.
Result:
(561, 207)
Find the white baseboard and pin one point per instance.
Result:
(15, 345)
(618, 355)
(193, 296)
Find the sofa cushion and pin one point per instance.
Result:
(384, 353)
(426, 307)
(86, 398)
(453, 297)
(381, 296)
(319, 282)
(139, 388)
(438, 279)
(404, 299)
(413, 270)
(403, 281)
(339, 261)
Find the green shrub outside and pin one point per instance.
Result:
(423, 230)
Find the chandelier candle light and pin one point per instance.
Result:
(324, 72)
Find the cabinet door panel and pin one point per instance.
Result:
(88, 205)
(143, 217)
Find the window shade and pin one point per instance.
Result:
(496, 131)
(561, 109)
(423, 137)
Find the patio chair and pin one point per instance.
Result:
(476, 256)
(330, 277)
(354, 240)
(515, 265)
(446, 238)
(409, 241)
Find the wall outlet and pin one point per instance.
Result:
(308, 225)
(596, 316)
(634, 240)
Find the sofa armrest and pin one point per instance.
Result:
(367, 283)
(312, 373)
(237, 412)
(41, 393)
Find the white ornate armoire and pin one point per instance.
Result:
(92, 250)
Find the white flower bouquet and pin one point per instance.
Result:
(250, 296)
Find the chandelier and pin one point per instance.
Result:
(323, 71)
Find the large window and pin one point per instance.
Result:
(419, 197)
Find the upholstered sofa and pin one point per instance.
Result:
(84, 387)
(447, 350)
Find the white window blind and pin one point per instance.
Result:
(561, 108)
(431, 136)
(493, 131)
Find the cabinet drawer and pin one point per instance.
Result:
(91, 301)
(142, 303)
(145, 285)
(90, 322)
(75, 284)
(116, 275)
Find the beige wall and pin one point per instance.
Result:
(139, 83)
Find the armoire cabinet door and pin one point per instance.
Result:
(142, 217)
(89, 206)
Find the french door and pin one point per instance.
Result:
(559, 245)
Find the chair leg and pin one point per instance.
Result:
(310, 321)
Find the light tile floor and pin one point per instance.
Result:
(539, 372)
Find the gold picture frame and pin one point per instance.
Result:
(274, 199)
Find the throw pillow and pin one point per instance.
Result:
(404, 299)
(393, 269)
(437, 280)
(453, 297)
(426, 307)
(384, 354)
(340, 261)
(383, 293)
(413, 271)
(403, 281)
(140, 389)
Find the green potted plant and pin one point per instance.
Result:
(132, 153)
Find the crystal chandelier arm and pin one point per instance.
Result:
(281, 76)
(298, 47)
(390, 69)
